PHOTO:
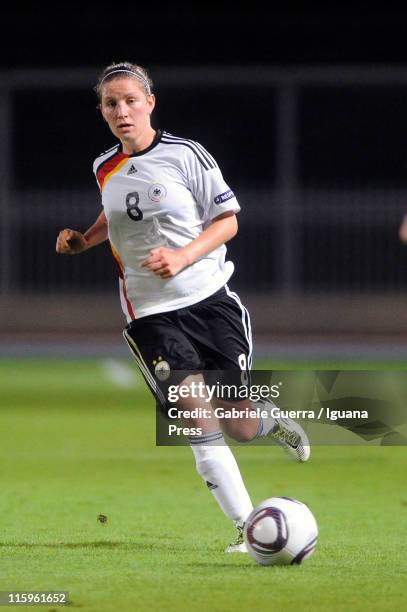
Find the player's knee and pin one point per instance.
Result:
(242, 434)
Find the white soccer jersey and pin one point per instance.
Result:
(163, 196)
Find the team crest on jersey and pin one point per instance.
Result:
(157, 192)
(162, 368)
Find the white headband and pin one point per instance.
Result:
(136, 74)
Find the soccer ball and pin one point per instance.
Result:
(280, 531)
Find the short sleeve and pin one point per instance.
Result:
(213, 195)
(95, 168)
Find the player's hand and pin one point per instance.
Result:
(71, 242)
(165, 262)
(403, 230)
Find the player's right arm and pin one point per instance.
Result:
(72, 242)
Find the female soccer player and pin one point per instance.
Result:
(168, 213)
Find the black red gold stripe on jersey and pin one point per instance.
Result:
(110, 167)
(122, 282)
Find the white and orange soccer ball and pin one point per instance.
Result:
(281, 531)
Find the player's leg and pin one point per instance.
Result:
(217, 466)
(155, 340)
(282, 430)
(220, 327)
(216, 463)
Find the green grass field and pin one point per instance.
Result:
(78, 440)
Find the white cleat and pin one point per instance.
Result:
(236, 548)
(291, 436)
(239, 546)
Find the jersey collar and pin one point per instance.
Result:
(155, 142)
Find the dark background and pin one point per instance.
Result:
(349, 137)
(45, 34)
(367, 147)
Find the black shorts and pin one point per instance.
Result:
(214, 334)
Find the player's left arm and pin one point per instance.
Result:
(166, 262)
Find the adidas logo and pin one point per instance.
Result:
(211, 486)
(132, 170)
